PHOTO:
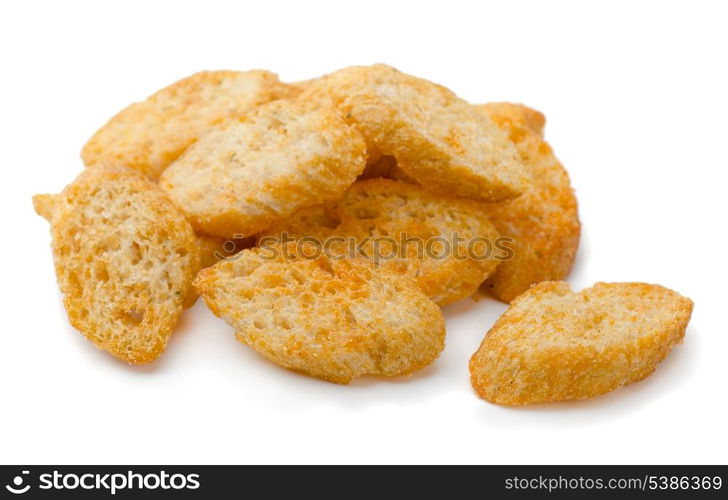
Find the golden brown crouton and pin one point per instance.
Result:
(124, 257)
(151, 134)
(331, 319)
(437, 138)
(445, 244)
(553, 344)
(278, 159)
(543, 222)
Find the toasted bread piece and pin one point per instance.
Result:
(543, 222)
(151, 134)
(437, 138)
(278, 159)
(315, 95)
(331, 319)
(409, 230)
(553, 344)
(213, 250)
(125, 259)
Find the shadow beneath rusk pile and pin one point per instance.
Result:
(297, 392)
(374, 380)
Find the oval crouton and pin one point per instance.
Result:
(331, 319)
(543, 222)
(440, 140)
(553, 344)
(278, 159)
(149, 135)
(444, 244)
(124, 257)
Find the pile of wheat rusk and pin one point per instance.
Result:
(328, 220)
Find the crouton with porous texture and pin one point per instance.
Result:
(553, 344)
(331, 319)
(151, 134)
(543, 222)
(445, 244)
(440, 140)
(124, 257)
(270, 163)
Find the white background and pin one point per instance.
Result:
(635, 96)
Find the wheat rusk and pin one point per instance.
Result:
(553, 344)
(440, 140)
(335, 319)
(445, 244)
(151, 134)
(270, 163)
(124, 257)
(543, 222)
